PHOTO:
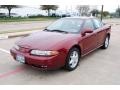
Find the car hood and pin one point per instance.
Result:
(44, 40)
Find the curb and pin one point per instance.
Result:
(3, 36)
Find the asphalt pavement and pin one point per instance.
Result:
(23, 26)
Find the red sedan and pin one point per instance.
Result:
(63, 43)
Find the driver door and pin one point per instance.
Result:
(89, 41)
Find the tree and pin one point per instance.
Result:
(118, 11)
(83, 9)
(48, 8)
(9, 8)
(105, 13)
(95, 12)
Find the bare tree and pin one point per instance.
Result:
(83, 9)
(48, 8)
(95, 12)
(9, 8)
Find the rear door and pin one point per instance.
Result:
(89, 41)
(101, 32)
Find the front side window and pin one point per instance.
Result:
(97, 23)
(88, 24)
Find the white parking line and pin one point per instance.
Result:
(6, 51)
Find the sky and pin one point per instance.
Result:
(35, 9)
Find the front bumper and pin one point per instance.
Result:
(49, 63)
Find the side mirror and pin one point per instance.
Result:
(86, 31)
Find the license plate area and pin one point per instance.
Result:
(20, 58)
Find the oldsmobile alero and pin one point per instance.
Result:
(62, 43)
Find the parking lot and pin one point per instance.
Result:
(99, 67)
(23, 26)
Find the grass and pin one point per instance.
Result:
(3, 20)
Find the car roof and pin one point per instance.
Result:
(81, 17)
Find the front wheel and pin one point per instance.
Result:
(106, 43)
(72, 59)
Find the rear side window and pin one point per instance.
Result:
(97, 23)
(88, 24)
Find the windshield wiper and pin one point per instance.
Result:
(56, 30)
(46, 29)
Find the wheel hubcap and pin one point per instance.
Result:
(74, 57)
(107, 42)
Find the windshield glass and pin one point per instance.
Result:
(68, 25)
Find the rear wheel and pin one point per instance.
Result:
(106, 43)
(72, 59)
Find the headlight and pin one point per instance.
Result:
(16, 47)
(43, 53)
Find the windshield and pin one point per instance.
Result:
(67, 25)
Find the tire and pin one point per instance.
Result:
(72, 59)
(106, 42)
